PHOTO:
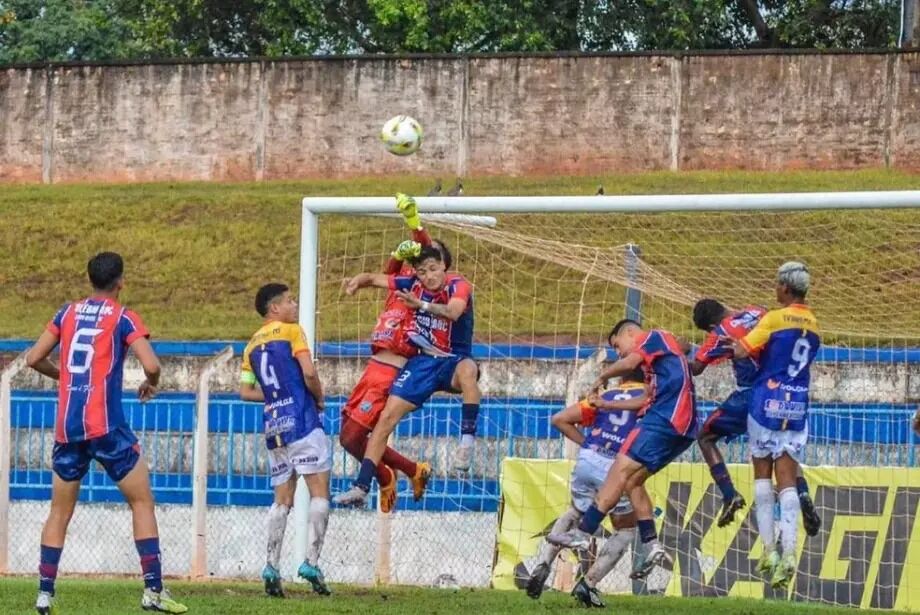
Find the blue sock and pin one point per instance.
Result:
(801, 486)
(149, 551)
(723, 480)
(48, 568)
(468, 415)
(366, 475)
(647, 531)
(591, 520)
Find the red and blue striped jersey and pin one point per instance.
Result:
(94, 337)
(672, 399)
(437, 334)
(718, 345)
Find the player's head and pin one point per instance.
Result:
(274, 302)
(636, 375)
(429, 268)
(792, 282)
(707, 313)
(106, 272)
(446, 256)
(623, 336)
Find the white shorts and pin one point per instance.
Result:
(589, 474)
(312, 454)
(768, 443)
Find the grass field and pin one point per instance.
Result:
(197, 252)
(117, 597)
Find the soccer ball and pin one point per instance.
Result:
(401, 135)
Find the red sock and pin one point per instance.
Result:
(353, 439)
(398, 462)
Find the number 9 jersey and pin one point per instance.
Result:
(270, 359)
(785, 341)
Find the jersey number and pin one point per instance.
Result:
(800, 353)
(619, 418)
(82, 342)
(267, 373)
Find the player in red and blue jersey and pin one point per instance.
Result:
(443, 332)
(94, 335)
(668, 428)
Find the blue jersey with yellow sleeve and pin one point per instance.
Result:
(270, 360)
(785, 342)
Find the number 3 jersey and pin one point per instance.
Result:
(785, 341)
(94, 336)
(270, 360)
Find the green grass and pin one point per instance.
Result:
(196, 252)
(107, 597)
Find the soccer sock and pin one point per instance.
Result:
(317, 520)
(647, 532)
(149, 551)
(591, 519)
(763, 508)
(564, 523)
(609, 555)
(276, 524)
(397, 461)
(48, 568)
(353, 439)
(801, 486)
(723, 480)
(366, 475)
(789, 519)
(469, 413)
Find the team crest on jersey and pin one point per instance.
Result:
(365, 406)
(772, 384)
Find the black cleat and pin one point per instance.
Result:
(729, 508)
(537, 581)
(588, 596)
(810, 518)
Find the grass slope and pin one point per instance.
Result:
(108, 597)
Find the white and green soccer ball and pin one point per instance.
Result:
(401, 135)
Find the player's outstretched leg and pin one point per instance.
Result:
(607, 558)
(548, 553)
(465, 379)
(810, 518)
(728, 421)
(318, 521)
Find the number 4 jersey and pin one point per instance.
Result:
(94, 335)
(786, 342)
(270, 359)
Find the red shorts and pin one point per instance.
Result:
(370, 394)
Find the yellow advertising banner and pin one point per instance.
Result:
(867, 553)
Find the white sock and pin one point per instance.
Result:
(609, 555)
(467, 440)
(317, 521)
(564, 523)
(276, 522)
(789, 519)
(764, 501)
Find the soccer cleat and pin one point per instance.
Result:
(810, 518)
(729, 508)
(315, 576)
(573, 539)
(272, 579)
(420, 480)
(387, 493)
(656, 556)
(783, 572)
(537, 580)
(767, 564)
(44, 604)
(588, 596)
(356, 497)
(409, 210)
(463, 459)
(161, 601)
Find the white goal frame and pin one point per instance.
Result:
(312, 207)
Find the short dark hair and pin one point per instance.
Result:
(446, 256)
(636, 375)
(105, 269)
(426, 253)
(267, 294)
(707, 313)
(620, 325)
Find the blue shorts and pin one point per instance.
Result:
(729, 420)
(654, 446)
(117, 452)
(424, 375)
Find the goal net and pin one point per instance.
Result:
(548, 286)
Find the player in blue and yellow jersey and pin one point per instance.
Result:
(605, 420)
(278, 370)
(95, 335)
(784, 342)
(668, 428)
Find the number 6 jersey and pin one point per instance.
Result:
(786, 342)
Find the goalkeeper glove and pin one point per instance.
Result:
(406, 250)
(409, 210)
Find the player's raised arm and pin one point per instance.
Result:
(366, 280)
(633, 404)
(566, 420)
(620, 367)
(37, 357)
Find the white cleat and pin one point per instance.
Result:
(573, 539)
(356, 497)
(44, 604)
(656, 556)
(463, 459)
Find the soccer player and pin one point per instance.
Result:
(95, 335)
(668, 428)
(785, 342)
(278, 370)
(607, 420)
(443, 331)
(729, 420)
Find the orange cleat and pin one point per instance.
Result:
(387, 492)
(420, 480)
